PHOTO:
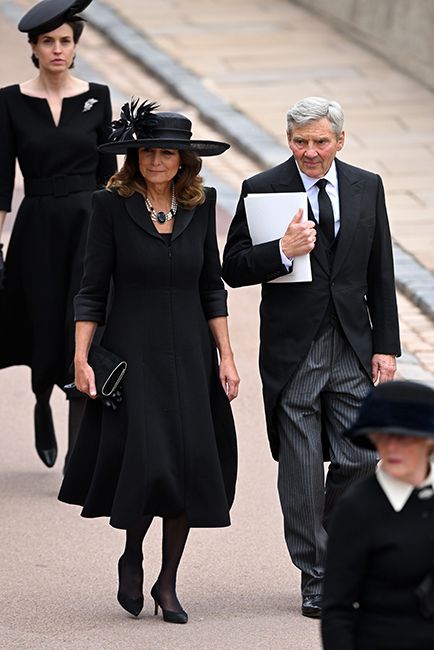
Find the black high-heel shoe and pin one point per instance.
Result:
(168, 616)
(45, 438)
(132, 605)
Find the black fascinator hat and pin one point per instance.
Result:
(139, 126)
(50, 14)
(401, 408)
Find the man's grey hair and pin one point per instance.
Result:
(310, 109)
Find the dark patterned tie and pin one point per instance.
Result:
(326, 218)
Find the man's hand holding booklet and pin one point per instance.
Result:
(268, 218)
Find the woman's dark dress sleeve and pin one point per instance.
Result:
(91, 302)
(212, 292)
(8, 155)
(107, 164)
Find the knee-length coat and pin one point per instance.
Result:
(377, 559)
(170, 447)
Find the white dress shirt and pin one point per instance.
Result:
(312, 190)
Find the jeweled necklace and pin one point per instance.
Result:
(162, 217)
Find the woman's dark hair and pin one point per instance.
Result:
(76, 24)
(189, 189)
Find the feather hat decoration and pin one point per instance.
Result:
(135, 121)
(139, 127)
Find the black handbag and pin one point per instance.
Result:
(109, 371)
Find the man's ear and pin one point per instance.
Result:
(341, 141)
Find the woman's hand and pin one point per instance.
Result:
(229, 377)
(227, 371)
(84, 375)
(85, 379)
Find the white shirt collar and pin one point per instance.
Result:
(309, 182)
(397, 491)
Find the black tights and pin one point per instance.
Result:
(175, 533)
(46, 437)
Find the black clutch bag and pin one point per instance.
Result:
(109, 370)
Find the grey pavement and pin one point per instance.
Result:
(58, 571)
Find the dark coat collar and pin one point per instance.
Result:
(350, 201)
(136, 209)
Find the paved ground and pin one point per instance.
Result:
(58, 571)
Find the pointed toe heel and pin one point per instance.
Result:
(168, 616)
(132, 605)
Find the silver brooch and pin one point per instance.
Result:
(89, 103)
(426, 492)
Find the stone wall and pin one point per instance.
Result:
(400, 30)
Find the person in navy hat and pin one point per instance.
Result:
(379, 582)
(52, 124)
(169, 449)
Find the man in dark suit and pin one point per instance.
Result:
(324, 342)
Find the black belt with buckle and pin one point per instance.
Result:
(59, 185)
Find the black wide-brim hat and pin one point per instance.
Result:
(48, 15)
(403, 408)
(139, 127)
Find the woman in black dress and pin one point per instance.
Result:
(52, 124)
(169, 449)
(379, 582)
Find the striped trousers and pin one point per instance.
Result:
(324, 394)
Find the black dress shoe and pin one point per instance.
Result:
(168, 615)
(311, 606)
(132, 605)
(45, 438)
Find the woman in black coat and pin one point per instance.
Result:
(52, 124)
(379, 582)
(169, 448)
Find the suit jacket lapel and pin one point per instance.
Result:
(290, 181)
(350, 195)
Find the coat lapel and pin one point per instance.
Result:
(137, 211)
(182, 219)
(350, 195)
(290, 181)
